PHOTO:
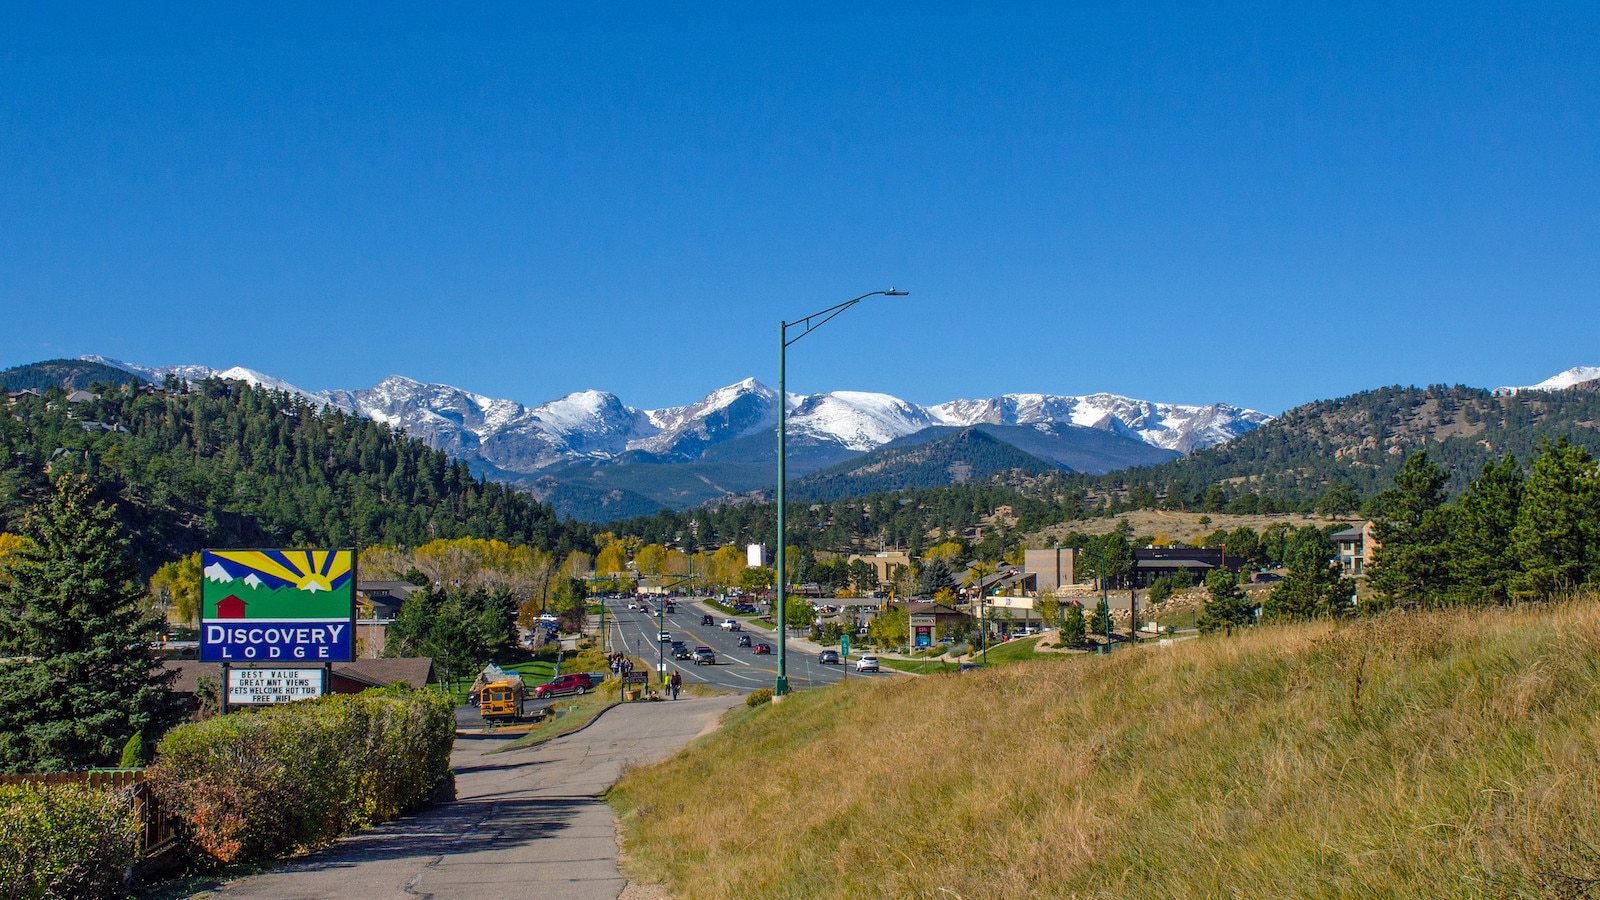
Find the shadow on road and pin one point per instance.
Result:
(511, 822)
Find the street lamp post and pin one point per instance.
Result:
(806, 325)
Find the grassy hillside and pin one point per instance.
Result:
(1429, 755)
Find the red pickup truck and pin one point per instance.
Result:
(572, 683)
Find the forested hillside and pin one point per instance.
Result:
(224, 464)
(72, 374)
(1362, 440)
(955, 458)
(1332, 455)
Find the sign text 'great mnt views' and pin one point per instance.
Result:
(283, 605)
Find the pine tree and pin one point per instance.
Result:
(935, 576)
(1312, 587)
(1483, 562)
(1073, 627)
(1557, 535)
(1099, 620)
(1226, 606)
(1413, 533)
(83, 679)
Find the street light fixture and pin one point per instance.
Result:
(806, 325)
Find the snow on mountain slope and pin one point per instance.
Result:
(596, 426)
(194, 373)
(1166, 425)
(1559, 381)
(725, 413)
(856, 419)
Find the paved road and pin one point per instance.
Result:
(737, 668)
(526, 823)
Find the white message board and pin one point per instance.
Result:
(262, 686)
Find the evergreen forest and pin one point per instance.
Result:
(221, 463)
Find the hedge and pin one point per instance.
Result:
(65, 840)
(259, 783)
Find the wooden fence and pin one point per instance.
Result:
(159, 830)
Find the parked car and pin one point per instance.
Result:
(704, 656)
(744, 607)
(707, 619)
(744, 640)
(828, 656)
(571, 683)
(761, 649)
(867, 664)
(731, 625)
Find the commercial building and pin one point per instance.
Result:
(1051, 568)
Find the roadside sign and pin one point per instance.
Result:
(282, 606)
(844, 645)
(267, 686)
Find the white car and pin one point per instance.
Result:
(867, 664)
(730, 625)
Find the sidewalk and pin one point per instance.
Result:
(527, 822)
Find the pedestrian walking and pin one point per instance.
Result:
(676, 682)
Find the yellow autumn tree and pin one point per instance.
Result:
(176, 588)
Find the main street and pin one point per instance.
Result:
(738, 668)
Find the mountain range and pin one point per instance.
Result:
(590, 453)
(594, 457)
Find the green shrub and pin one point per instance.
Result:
(133, 752)
(65, 840)
(758, 697)
(259, 783)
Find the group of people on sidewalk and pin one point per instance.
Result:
(622, 664)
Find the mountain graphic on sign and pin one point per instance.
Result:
(305, 570)
(277, 585)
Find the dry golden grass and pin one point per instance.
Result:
(1176, 526)
(1437, 755)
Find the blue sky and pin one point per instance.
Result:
(1202, 203)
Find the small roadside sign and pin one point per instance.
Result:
(844, 645)
(267, 686)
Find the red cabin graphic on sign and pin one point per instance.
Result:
(230, 607)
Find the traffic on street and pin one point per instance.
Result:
(745, 656)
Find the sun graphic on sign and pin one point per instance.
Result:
(313, 582)
(306, 570)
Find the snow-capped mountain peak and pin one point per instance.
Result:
(860, 420)
(593, 426)
(1167, 425)
(1559, 381)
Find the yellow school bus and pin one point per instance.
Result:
(501, 699)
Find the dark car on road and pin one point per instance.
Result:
(708, 619)
(828, 656)
(705, 656)
(744, 640)
(573, 683)
(680, 650)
